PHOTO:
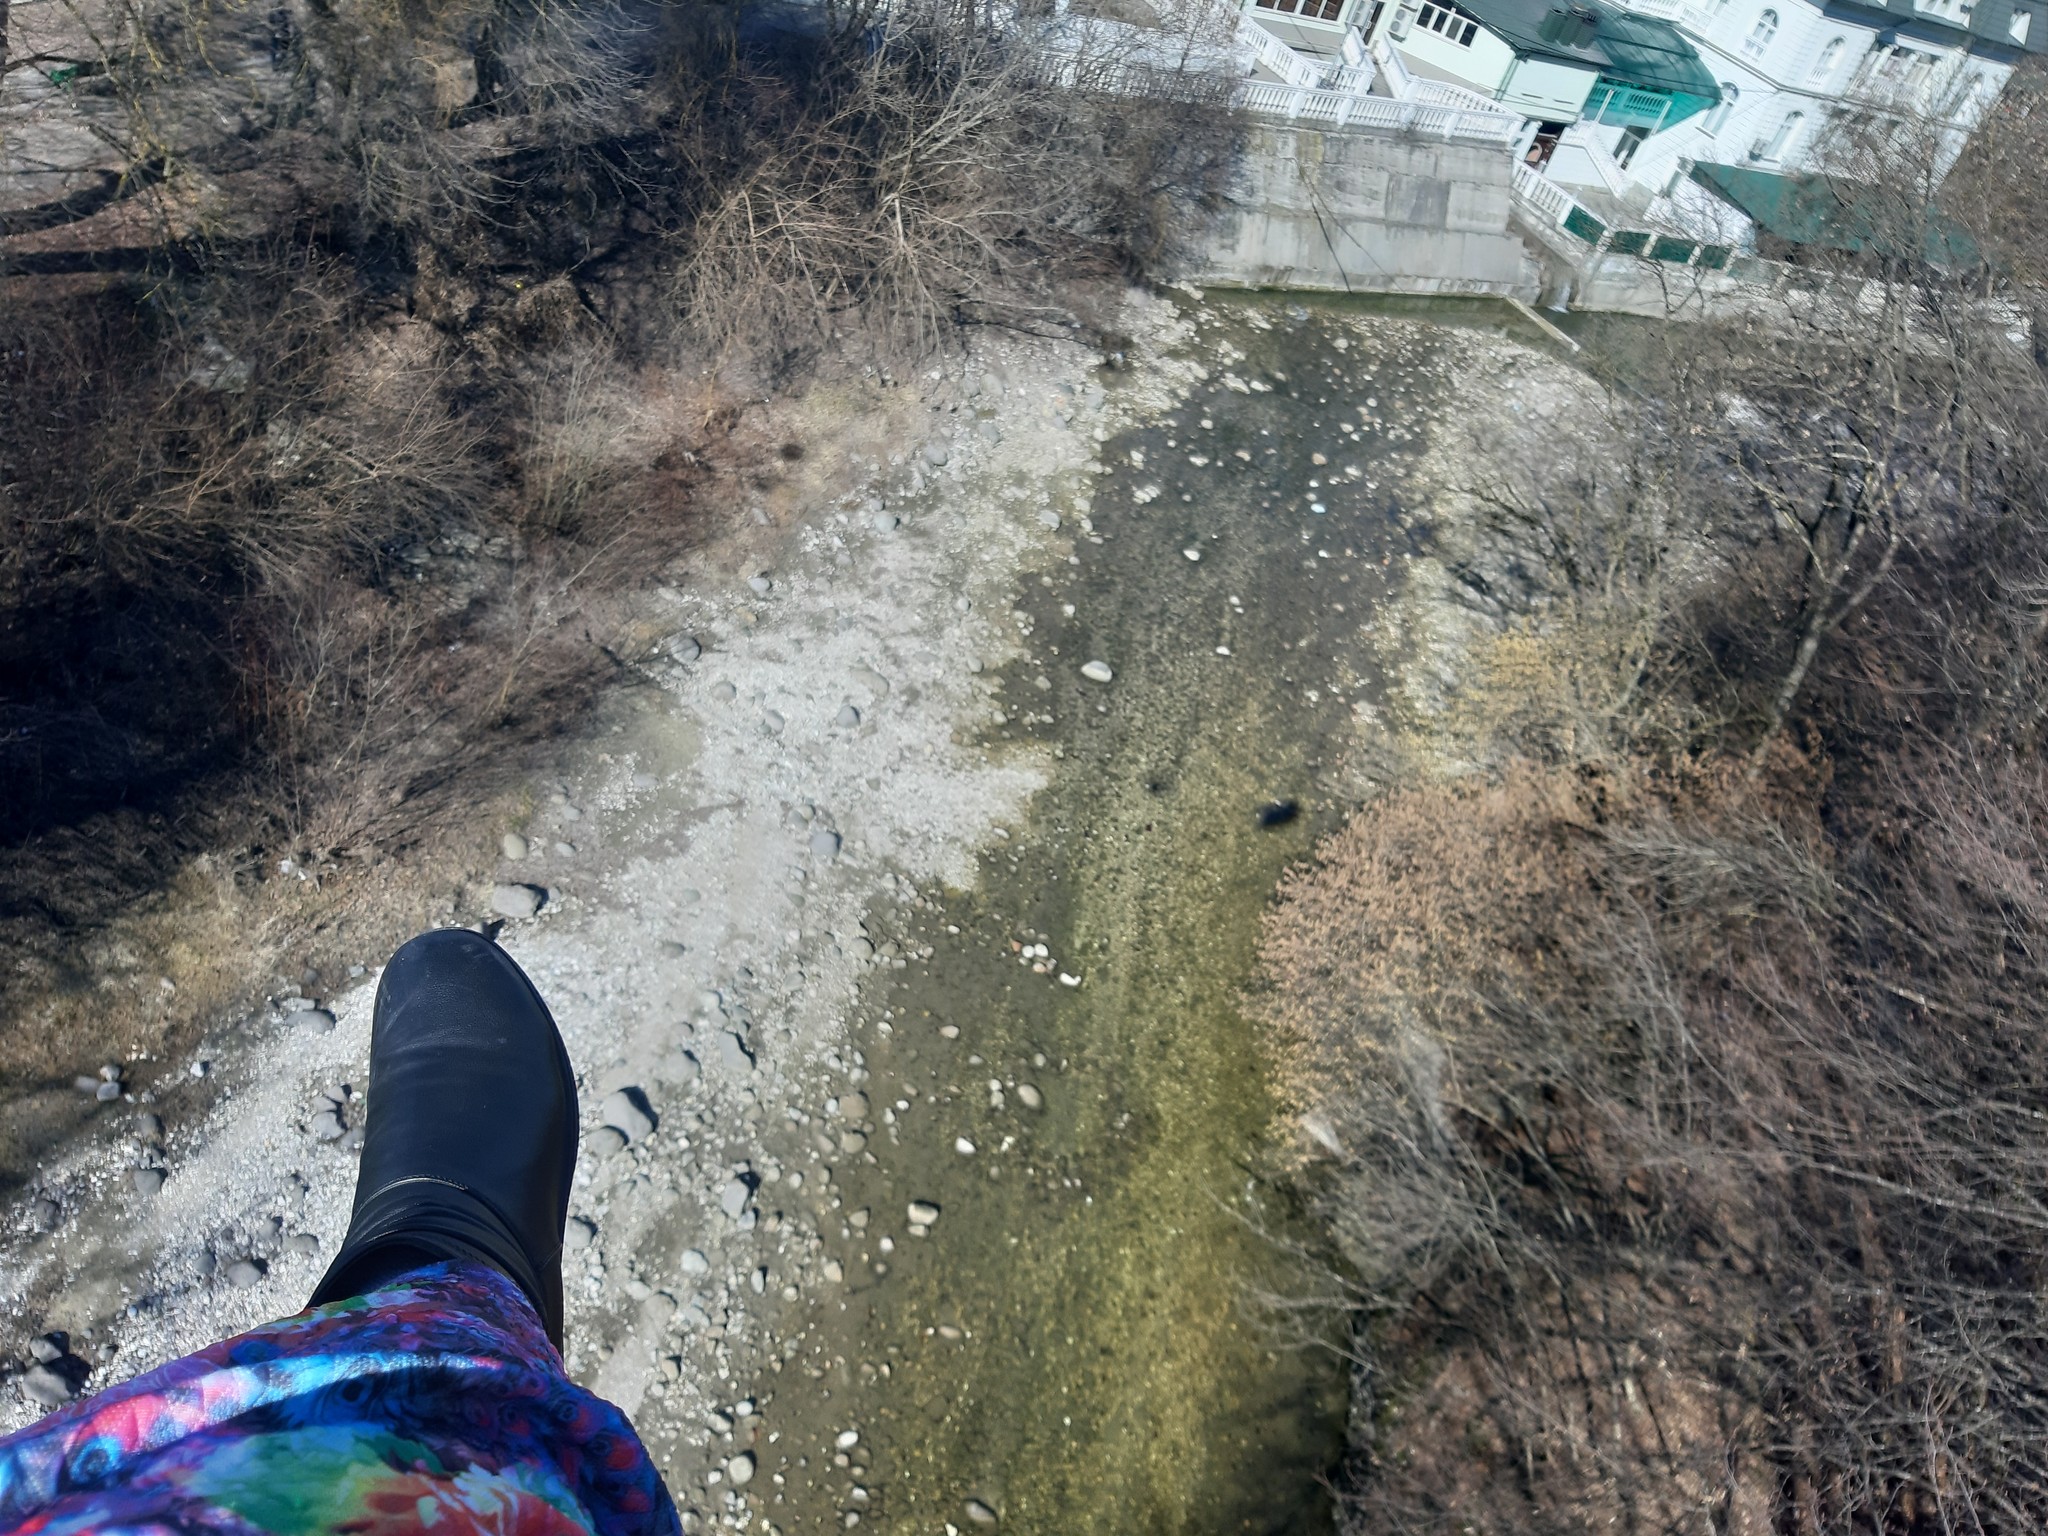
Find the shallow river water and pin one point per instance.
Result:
(1089, 1350)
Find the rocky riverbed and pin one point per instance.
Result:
(899, 922)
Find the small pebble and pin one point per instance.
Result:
(606, 1141)
(923, 1212)
(772, 719)
(740, 1469)
(147, 1181)
(1029, 1096)
(1096, 671)
(314, 1021)
(49, 1348)
(734, 1197)
(693, 1262)
(327, 1126)
(513, 846)
(825, 844)
(963, 1146)
(1050, 519)
(762, 584)
(685, 648)
(847, 718)
(980, 1513)
(936, 453)
(304, 1244)
(725, 693)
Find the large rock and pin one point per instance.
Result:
(626, 1110)
(516, 901)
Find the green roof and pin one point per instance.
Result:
(1832, 213)
(1641, 51)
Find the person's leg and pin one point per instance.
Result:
(423, 1389)
(471, 1140)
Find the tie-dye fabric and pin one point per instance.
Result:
(435, 1404)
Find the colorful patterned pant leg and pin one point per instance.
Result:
(433, 1405)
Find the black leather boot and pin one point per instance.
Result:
(471, 1140)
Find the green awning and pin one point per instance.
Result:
(1837, 214)
(1628, 49)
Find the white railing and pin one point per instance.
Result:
(1441, 93)
(1605, 166)
(1393, 68)
(1347, 109)
(1679, 12)
(1542, 195)
(1275, 55)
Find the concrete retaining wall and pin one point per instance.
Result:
(1369, 212)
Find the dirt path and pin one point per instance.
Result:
(882, 905)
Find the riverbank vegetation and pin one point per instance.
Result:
(1671, 1057)
(369, 353)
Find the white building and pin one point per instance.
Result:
(1789, 70)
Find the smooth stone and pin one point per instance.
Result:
(990, 433)
(824, 844)
(847, 1439)
(1096, 671)
(244, 1273)
(885, 522)
(739, 1470)
(734, 1197)
(606, 1141)
(923, 1212)
(834, 1271)
(106, 1093)
(725, 693)
(733, 1054)
(657, 1312)
(685, 648)
(762, 584)
(289, 1005)
(980, 1513)
(1192, 553)
(513, 846)
(936, 453)
(147, 1181)
(515, 901)
(854, 1106)
(693, 1262)
(851, 1142)
(1030, 1097)
(46, 1386)
(963, 1146)
(314, 1021)
(772, 718)
(1050, 519)
(625, 1109)
(847, 718)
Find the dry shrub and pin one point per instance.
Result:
(883, 180)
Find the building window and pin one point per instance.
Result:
(1309, 10)
(1781, 140)
(1761, 34)
(1824, 66)
(2018, 25)
(1452, 25)
(1717, 117)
